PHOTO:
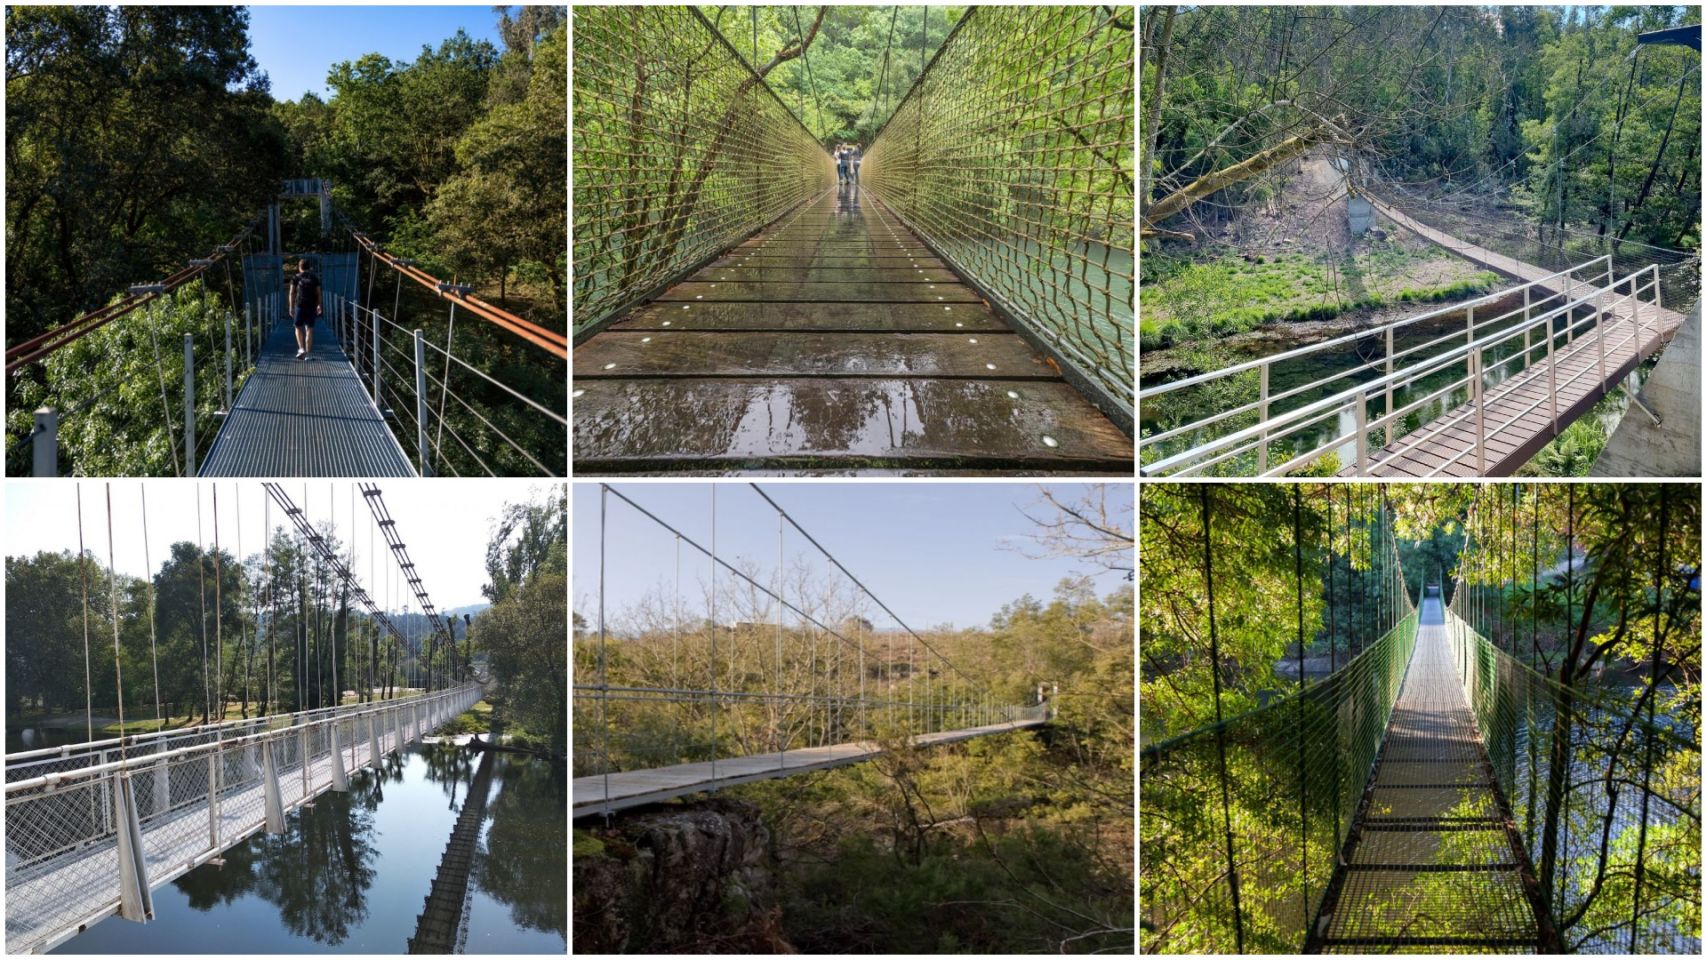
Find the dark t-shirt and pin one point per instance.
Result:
(307, 293)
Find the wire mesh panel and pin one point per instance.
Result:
(680, 150)
(1013, 156)
(1294, 771)
(191, 801)
(1623, 811)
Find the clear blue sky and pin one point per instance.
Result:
(297, 46)
(936, 553)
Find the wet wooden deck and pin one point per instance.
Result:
(831, 342)
(1518, 412)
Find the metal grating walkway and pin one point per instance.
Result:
(1431, 864)
(607, 793)
(304, 418)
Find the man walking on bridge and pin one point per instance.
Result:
(305, 306)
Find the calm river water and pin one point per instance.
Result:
(351, 874)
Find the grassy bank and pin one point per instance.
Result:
(1194, 300)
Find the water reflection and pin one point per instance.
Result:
(350, 873)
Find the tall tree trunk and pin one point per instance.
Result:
(1658, 158)
(1152, 115)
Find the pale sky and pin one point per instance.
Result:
(936, 553)
(445, 523)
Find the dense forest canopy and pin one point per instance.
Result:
(138, 137)
(1550, 110)
(857, 68)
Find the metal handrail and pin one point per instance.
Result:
(1471, 353)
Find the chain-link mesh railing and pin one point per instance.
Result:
(1623, 812)
(1241, 820)
(1013, 156)
(681, 150)
(191, 798)
(1293, 771)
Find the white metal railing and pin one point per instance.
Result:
(1398, 369)
(362, 331)
(123, 817)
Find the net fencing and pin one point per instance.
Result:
(1603, 782)
(1012, 156)
(680, 151)
(1241, 821)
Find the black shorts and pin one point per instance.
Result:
(305, 319)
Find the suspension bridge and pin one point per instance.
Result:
(961, 300)
(93, 827)
(784, 685)
(1472, 389)
(375, 397)
(1452, 787)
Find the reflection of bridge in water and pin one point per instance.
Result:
(92, 829)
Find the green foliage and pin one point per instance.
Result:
(524, 629)
(1200, 301)
(116, 417)
(136, 137)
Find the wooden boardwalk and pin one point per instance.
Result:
(831, 342)
(1433, 862)
(600, 793)
(1525, 397)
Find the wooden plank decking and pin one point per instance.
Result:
(599, 793)
(831, 342)
(1436, 445)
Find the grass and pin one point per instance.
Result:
(1216, 298)
(140, 718)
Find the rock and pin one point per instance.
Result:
(693, 878)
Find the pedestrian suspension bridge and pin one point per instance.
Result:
(1450, 787)
(963, 303)
(1473, 389)
(756, 680)
(377, 396)
(92, 828)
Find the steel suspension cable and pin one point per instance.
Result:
(88, 676)
(153, 633)
(118, 659)
(218, 611)
(1219, 726)
(806, 56)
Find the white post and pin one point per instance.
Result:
(228, 322)
(189, 406)
(1527, 329)
(340, 779)
(373, 741)
(1362, 435)
(1262, 452)
(420, 401)
(1480, 414)
(44, 444)
(274, 795)
(1552, 379)
(1389, 371)
(136, 901)
(373, 321)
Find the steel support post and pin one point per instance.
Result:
(136, 901)
(420, 401)
(189, 406)
(44, 444)
(274, 795)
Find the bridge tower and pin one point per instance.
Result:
(292, 189)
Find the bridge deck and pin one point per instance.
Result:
(304, 418)
(1432, 862)
(1424, 451)
(598, 794)
(833, 340)
(51, 901)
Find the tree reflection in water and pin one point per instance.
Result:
(317, 872)
(525, 860)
